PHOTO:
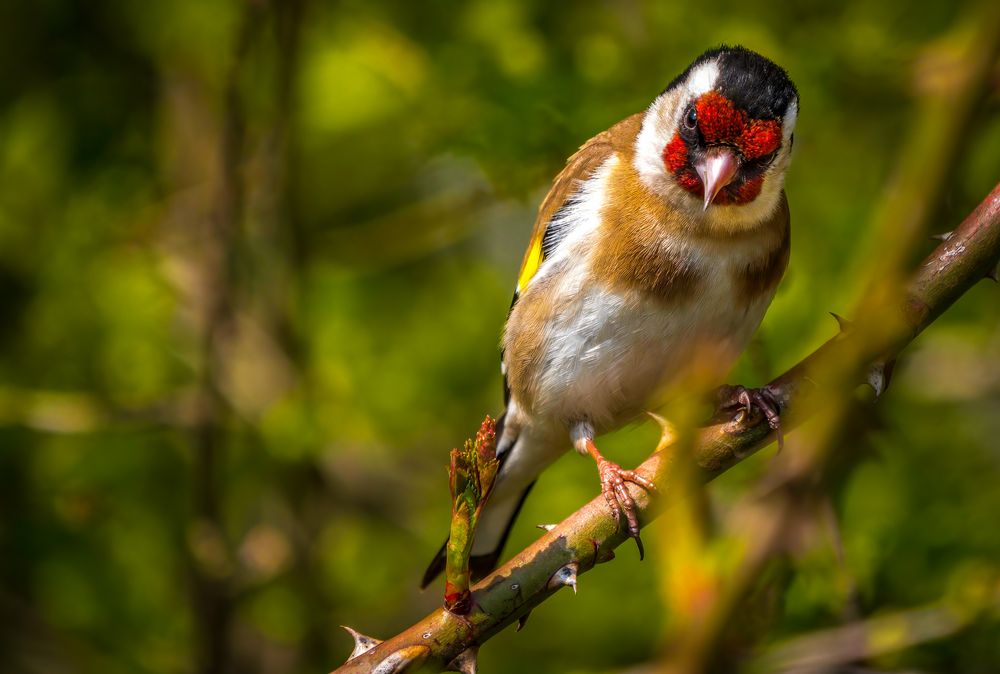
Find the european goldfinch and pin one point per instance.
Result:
(655, 253)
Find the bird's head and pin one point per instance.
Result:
(718, 140)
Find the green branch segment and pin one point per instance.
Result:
(472, 473)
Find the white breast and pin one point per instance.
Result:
(609, 356)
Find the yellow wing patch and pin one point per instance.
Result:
(532, 261)
(619, 138)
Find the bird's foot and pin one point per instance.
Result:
(733, 398)
(613, 479)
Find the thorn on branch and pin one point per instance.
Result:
(566, 575)
(546, 527)
(879, 376)
(943, 236)
(472, 473)
(844, 324)
(668, 433)
(362, 642)
(521, 621)
(465, 662)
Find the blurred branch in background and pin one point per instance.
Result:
(588, 536)
(69, 413)
(794, 498)
(951, 78)
(863, 640)
(209, 544)
(254, 350)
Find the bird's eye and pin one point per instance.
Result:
(691, 118)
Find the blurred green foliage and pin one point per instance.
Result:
(331, 339)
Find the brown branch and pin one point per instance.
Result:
(589, 535)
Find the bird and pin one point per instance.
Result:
(654, 256)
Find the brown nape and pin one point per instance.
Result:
(763, 274)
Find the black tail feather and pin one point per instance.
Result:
(436, 566)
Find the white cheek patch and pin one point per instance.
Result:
(653, 137)
(702, 79)
(659, 124)
(788, 122)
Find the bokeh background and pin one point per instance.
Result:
(254, 262)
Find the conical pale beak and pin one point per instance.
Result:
(716, 170)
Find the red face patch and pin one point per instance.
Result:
(675, 154)
(721, 123)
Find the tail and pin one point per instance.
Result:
(495, 523)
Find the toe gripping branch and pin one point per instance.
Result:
(752, 401)
(613, 479)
